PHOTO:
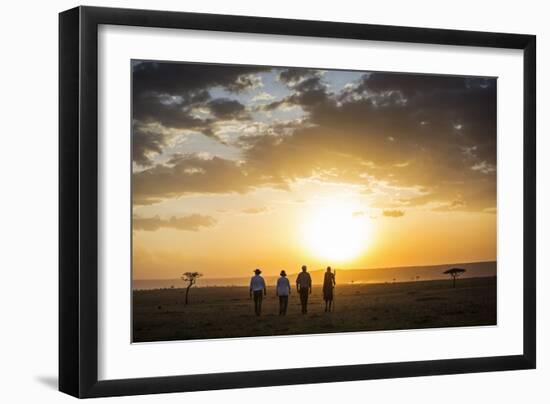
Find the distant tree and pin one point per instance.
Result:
(455, 273)
(191, 279)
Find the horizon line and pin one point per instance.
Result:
(334, 268)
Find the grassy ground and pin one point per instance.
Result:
(225, 312)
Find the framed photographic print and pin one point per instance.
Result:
(329, 194)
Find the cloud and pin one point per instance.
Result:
(254, 211)
(456, 204)
(177, 113)
(146, 144)
(370, 130)
(227, 109)
(194, 174)
(188, 174)
(308, 89)
(192, 222)
(182, 79)
(483, 167)
(392, 128)
(263, 97)
(169, 94)
(393, 213)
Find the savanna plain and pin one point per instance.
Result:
(228, 312)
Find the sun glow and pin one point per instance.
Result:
(337, 231)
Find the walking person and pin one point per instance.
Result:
(328, 289)
(283, 292)
(303, 285)
(257, 290)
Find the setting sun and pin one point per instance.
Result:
(336, 231)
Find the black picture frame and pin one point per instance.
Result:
(78, 201)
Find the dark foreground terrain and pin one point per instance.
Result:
(226, 312)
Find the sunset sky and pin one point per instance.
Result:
(238, 167)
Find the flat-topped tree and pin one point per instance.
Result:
(455, 273)
(191, 279)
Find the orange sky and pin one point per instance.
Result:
(238, 167)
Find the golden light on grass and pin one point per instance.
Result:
(337, 231)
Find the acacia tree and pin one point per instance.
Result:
(455, 273)
(191, 279)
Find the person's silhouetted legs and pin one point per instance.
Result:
(304, 294)
(303, 285)
(283, 304)
(283, 291)
(258, 297)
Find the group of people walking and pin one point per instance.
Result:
(258, 290)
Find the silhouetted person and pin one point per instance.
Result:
(258, 290)
(303, 285)
(328, 289)
(283, 292)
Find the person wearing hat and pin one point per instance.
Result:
(257, 290)
(283, 291)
